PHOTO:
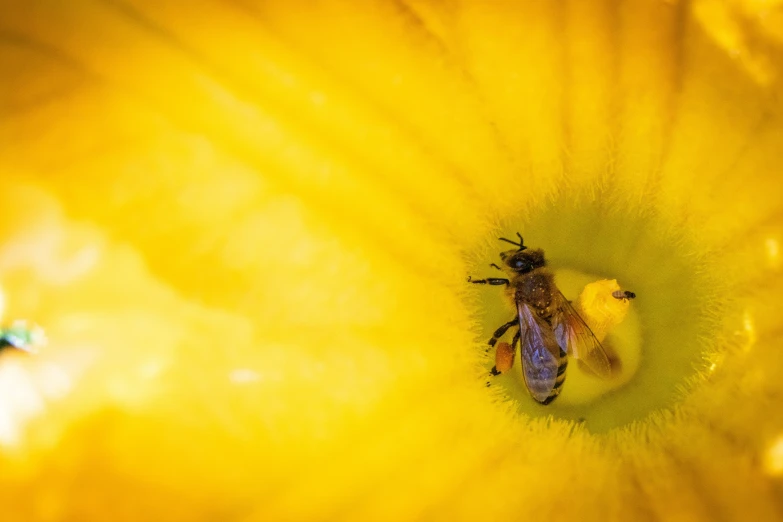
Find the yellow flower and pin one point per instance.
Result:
(246, 228)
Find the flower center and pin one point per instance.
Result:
(659, 344)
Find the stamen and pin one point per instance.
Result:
(599, 307)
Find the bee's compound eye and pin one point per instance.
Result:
(519, 263)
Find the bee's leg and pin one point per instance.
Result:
(493, 265)
(494, 371)
(500, 331)
(516, 339)
(489, 281)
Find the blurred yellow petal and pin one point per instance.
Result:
(246, 228)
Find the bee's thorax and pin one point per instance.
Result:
(537, 289)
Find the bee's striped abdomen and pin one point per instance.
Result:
(561, 375)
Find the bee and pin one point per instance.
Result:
(548, 327)
(623, 294)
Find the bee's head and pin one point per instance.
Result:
(523, 261)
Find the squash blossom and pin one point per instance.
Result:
(246, 229)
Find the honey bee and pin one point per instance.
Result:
(548, 326)
(623, 294)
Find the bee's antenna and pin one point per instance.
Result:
(521, 243)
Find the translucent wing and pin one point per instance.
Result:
(539, 352)
(576, 338)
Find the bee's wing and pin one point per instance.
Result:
(539, 352)
(576, 338)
